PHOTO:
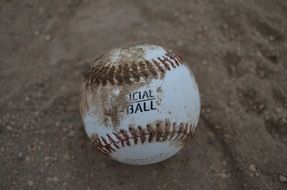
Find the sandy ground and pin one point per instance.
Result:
(236, 49)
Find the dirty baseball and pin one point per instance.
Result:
(140, 104)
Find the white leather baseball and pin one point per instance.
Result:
(139, 104)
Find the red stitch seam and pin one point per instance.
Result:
(129, 73)
(160, 133)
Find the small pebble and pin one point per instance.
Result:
(30, 182)
(55, 179)
(224, 175)
(24, 127)
(283, 178)
(252, 167)
(27, 159)
(71, 133)
(20, 154)
(66, 156)
(48, 38)
(9, 128)
(37, 32)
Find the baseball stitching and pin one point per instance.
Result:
(160, 132)
(132, 72)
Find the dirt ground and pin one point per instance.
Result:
(237, 51)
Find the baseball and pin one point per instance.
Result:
(139, 105)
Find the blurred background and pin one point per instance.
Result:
(237, 51)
